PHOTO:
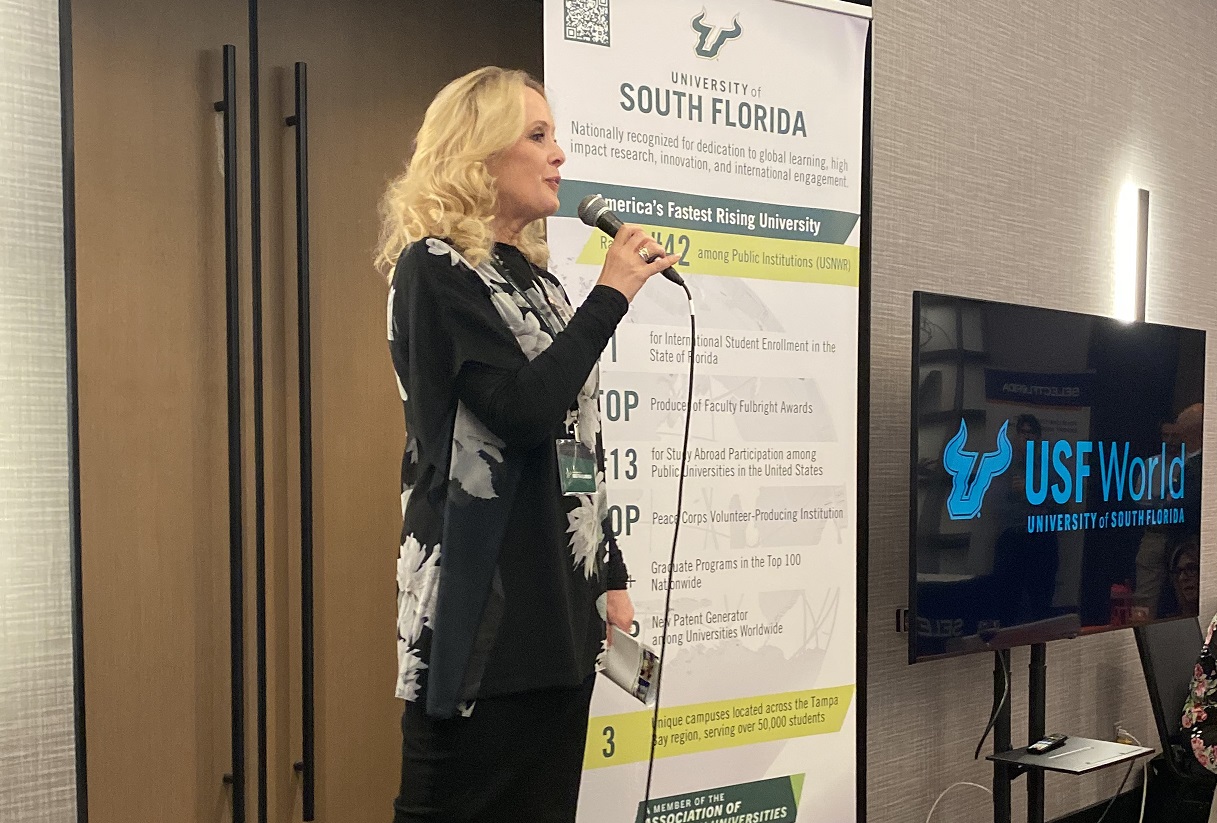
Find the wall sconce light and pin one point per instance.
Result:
(1132, 252)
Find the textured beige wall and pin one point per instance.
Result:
(37, 766)
(1002, 135)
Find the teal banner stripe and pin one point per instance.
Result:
(677, 210)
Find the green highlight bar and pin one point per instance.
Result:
(755, 258)
(774, 800)
(678, 210)
(613, 740)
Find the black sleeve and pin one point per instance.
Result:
(616, 573)
(522, 405)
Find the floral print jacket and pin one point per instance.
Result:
(1200, 711)
(500, 578)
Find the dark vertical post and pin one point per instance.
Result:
(1036, 718)
(255, 282)
(236, 569)
(863, 435)
(68, 138)
(1001, 736)
(308, 764)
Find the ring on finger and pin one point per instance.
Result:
(644, 254)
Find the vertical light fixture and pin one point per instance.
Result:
(1132, 252)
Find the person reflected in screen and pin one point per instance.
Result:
(1154, 594)
(1024, 564)
(1184, 578)
(507, 572)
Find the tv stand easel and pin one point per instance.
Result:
(1079, 755)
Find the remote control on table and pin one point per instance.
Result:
(1047, 744)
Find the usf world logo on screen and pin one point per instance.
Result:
(1058, 470)
(711, 38)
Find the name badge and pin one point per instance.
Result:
(576, 467)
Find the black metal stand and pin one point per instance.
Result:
(1003, 774)
(1037, 699)
(1079, 755)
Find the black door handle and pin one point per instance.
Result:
(308, 764)
(228, 107)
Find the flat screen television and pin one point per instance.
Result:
(1055, 474)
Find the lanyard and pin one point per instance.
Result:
(541, 313)
(504, 272)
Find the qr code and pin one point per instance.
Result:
(587, 21)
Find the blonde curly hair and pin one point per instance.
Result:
(446, 190)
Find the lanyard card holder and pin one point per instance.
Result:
(576, 467)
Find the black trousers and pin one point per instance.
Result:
(516, 757)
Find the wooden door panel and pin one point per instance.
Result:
(373, 65)
(153, 437)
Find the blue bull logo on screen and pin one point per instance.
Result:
(972, 473)
(1059, 469)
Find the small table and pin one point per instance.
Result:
(1078, 755)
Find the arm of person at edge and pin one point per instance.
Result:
(1200, 710)
(524, 406)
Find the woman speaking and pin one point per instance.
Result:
(507, 573)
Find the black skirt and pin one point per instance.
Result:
(516, 757)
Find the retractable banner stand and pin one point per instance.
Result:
(733, 132)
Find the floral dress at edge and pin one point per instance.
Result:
(1200, 711)
(501, 577)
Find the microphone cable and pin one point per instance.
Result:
(594, 210)
(667, 598)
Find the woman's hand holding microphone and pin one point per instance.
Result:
(632, 259)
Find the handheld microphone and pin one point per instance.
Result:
(594, 211)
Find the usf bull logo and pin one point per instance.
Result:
(710, 38)
(972, 473)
